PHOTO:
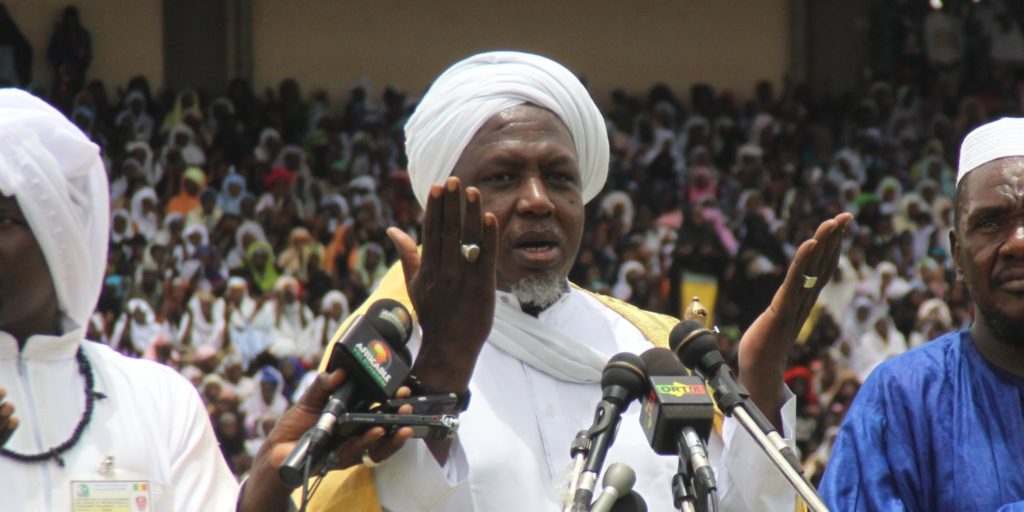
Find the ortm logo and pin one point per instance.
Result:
(678, 389)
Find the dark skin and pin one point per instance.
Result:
(264, 491)
(988, 249)
(521, 169)
(25, 275)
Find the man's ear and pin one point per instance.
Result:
(954, 247)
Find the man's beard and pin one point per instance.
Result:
(1007, 330)
(538, 291)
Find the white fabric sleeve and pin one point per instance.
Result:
(747, 478)
(198, 472)
(411, 480)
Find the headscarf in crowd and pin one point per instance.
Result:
(618, 206)
(177, 113)
(265, 277)
(206, 331)
(125, 234)
(146, 223)
(154, 173)
(185, 202)
(236, 257)
(231, 203)
(143, 332)
(191, 153)
(257, 409)
(302, 169)
(57, 177)
(623, 290)
(470, 92)
(262, 151)
(193, 231)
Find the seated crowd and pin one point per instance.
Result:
(245, 229)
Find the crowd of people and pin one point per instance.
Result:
(246, 228)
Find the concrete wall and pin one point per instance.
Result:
(127, 37)
(328, 44)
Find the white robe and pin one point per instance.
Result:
(514, 439)
(152, 423)
(287, 336)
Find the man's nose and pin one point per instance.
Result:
(533, 198)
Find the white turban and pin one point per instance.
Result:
(57, 177)
(998, 139)
(470, 92)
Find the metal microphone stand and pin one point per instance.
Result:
(683, 495)
(771, 443)
(770, 448)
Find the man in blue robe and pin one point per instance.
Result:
(942, 427)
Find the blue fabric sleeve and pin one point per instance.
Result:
(871, 466)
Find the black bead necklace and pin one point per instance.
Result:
(55, 453)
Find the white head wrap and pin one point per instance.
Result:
(57, 177)
(998, 139)
(470, 92)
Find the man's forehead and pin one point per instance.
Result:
(522, 122)
(994, 176)
(526, 112)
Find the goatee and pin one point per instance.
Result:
(538, 291)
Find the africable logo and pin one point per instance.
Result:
(376, 356)
(678, 389)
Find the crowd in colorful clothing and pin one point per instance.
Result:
(246, 228)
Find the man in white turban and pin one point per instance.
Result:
(941, 427)
(95, 427)
(504, 151)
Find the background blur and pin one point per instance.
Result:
(256, 154)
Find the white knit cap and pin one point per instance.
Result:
(57, 177)
(998, 139)
(473, 90)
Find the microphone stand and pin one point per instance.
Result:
(702, 498)
(759, 428)
(683, 495)
(770, 448)
(579, 451)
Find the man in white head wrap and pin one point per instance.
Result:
(86, 413)
(526, 148)
(941, 427)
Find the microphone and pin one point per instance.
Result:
(618, 482)
(631, 502)
(371, 350)
(622, 381)
(677, 415)
(697, 348)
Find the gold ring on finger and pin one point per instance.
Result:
(470, 252)
(810, 281)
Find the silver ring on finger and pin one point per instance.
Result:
(810, 281)
(367, 461)
(470, 252)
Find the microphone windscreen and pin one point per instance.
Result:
(390, 319)
(661, 361)
(620, 476)
(690, 340)
(627, 371)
